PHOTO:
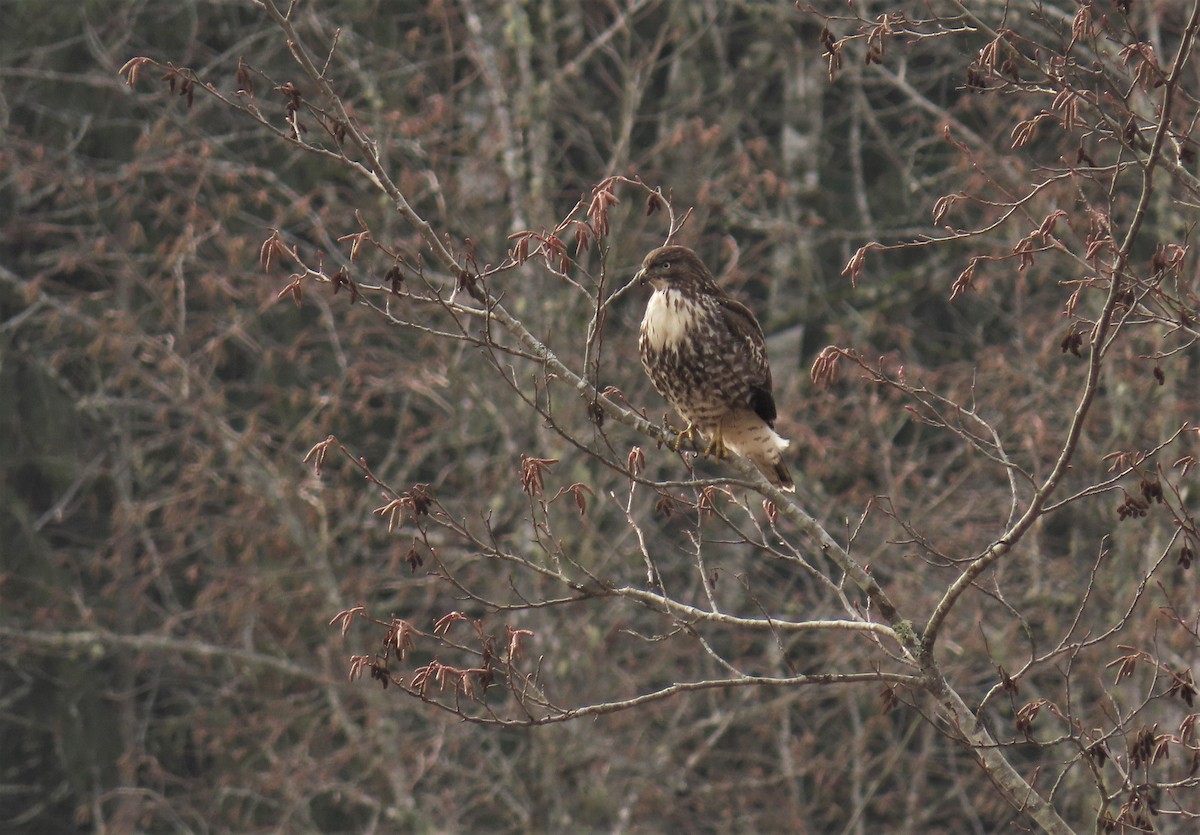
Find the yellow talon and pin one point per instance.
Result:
(688, 433)
(717, 446)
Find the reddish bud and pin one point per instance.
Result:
(245, 81)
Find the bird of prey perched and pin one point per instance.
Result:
(705, 353)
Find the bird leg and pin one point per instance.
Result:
(689, 434)
(717, 445)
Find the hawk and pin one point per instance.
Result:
(706, 355)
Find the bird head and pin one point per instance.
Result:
(675, 267)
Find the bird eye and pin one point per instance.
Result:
(666, 265)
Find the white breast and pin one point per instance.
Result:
(668, 317)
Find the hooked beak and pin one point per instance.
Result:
(640, 278)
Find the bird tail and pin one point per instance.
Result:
(770, 464)
(779, 476)
(749, 435)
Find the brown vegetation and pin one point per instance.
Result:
(336, 499)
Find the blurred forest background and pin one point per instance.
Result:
(1000, 439)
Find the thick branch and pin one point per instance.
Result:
(87, 641)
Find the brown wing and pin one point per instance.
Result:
(748, 336)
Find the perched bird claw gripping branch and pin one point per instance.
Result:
(705, 353)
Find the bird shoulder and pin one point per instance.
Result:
(740, 320)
